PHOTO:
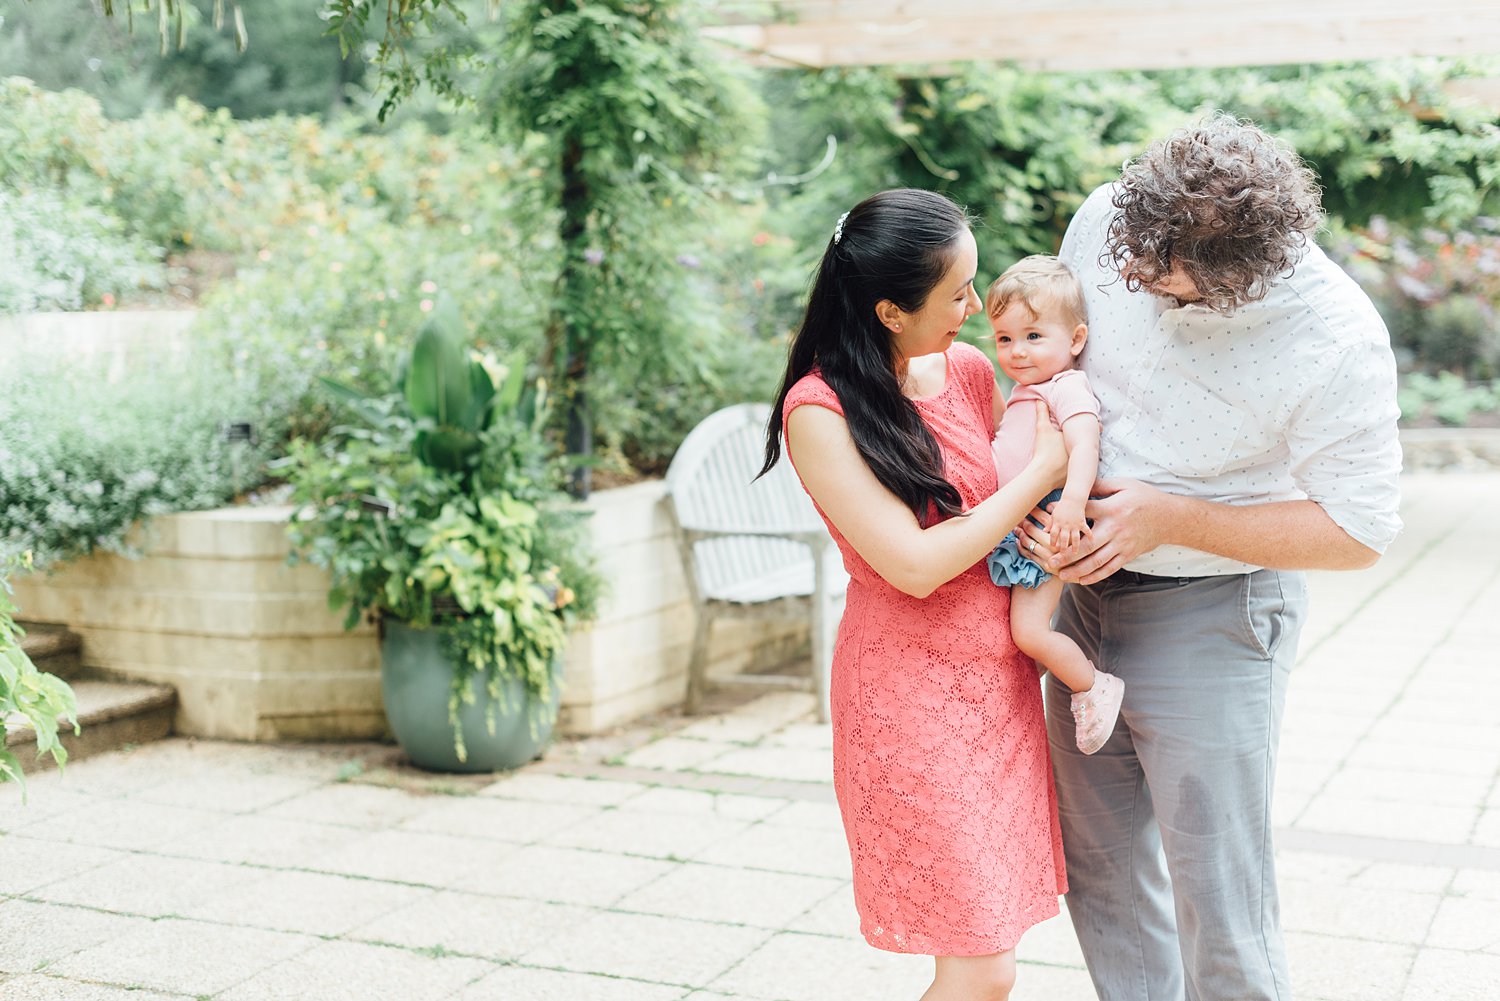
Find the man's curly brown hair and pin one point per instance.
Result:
(1225, 201)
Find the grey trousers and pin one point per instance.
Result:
(1167, 829)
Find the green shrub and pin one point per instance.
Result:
(289, 65)
(51, 140)
(1439, 291)
(83, 459)
(1446, 397)
(63, 245)
(645, 415)
(343, 302)
(1461, 333)
(60, 254)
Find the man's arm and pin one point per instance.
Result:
(1131, 518)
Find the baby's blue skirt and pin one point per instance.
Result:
(1008, 567)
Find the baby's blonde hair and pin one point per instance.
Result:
(1039, 281)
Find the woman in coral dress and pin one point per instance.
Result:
(940, 747)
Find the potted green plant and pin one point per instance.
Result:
(42, 699)
(440, 515)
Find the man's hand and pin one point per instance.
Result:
(1129, 518)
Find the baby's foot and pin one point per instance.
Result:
(1095, 711)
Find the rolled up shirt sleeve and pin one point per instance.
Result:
(1345, 452)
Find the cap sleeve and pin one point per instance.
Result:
(810, 389)
(1072, 395)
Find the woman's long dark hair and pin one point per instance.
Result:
(896, 245)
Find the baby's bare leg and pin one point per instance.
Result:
(1031, 627)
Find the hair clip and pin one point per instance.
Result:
(838, 228)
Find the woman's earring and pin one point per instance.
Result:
(897, 328)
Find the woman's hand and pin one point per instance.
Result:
(1049, 454)
(1035, 537)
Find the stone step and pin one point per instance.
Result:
(53, 649)
(113, 714)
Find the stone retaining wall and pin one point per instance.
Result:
(121, 340)
(255, 654)
(1450, 449)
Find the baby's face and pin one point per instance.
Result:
(1033, 348)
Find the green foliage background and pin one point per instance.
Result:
(1021, 149)
(613, 200)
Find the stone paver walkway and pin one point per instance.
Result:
(703, 859)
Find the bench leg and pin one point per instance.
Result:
(823, 625)
(698, 661)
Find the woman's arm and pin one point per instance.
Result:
(883, 530)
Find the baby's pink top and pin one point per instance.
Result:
(1066, 394)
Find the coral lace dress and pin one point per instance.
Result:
(940, 758)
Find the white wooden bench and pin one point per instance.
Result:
(751, 548)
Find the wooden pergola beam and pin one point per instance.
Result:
(1066, 35)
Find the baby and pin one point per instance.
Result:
(1037, 312)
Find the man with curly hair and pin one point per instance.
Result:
(1248, 398)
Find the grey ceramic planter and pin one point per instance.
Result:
(416, 677)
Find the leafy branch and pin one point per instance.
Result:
(405, 24)
(42, 700)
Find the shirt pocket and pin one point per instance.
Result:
(1186, 430)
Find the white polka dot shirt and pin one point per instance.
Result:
(1292, 397)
